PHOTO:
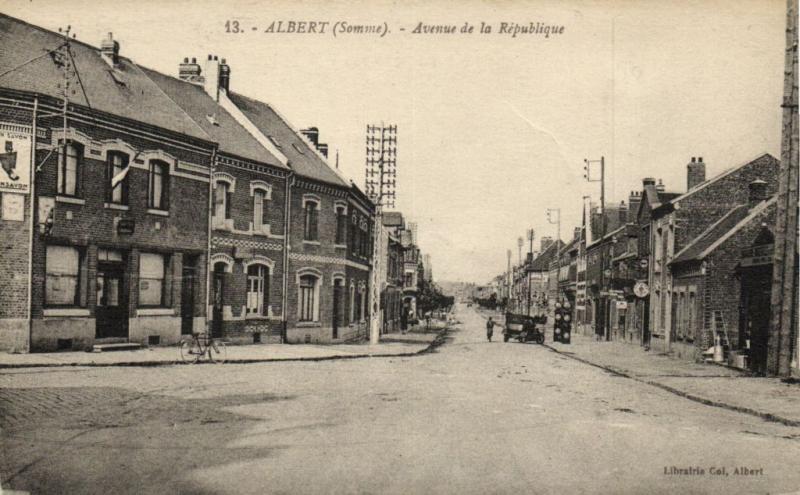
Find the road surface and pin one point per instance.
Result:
(473, 417)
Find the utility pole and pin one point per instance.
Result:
(508, 279)
(531, 235)
(782, 342)
(602, 180)
(381, 165)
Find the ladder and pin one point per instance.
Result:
(717, 322)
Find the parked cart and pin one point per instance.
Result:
(524, 328)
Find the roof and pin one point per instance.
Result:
(393, 219)
(124, 90)
(213, 119)
(303, 157)
(763, 159)
(721, 230)
(542, 262)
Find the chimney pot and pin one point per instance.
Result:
(109, 49)
(695, 173)
(648, 181)
(194, 60)
(757, 192)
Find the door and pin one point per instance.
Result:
(111, 310)
(337, 307)
(756, 299)
(188, 281)
(218, 287)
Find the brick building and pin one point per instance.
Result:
(392, 293)
(320, 236)
(677, 222)
(249, 193)
(118, 252)
(641, 204)
(720, 290)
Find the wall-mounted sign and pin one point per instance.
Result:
(641, 289)
(15, 158)
(126, 226)
(622, 304)
(13, 207)
(643, 263)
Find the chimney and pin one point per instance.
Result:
(576, 233)
(648, 181)
(312, 133)
(323, 148)
(109, 49)
(634, 200)
(546, 242)
(623, 213)
(757, 192)
(211, 82)
(695, 173)
(189, 71)
(224, 75)
(660, 186)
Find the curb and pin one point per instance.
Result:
(680, 393)
(431, 347)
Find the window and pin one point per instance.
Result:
(118, 178)
(68, 167)
(341, 225)
(158, 186)
(62, 279)
(151, 279)
(257, 290)
(259, 209)
(222, 200)
(310, 230)
(308, 289)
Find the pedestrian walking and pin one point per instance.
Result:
(490, 329)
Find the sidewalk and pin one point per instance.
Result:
(710, 384)
(392, 345)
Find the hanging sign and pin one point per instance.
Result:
(641, 289)
(15, 158)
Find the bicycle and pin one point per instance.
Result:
(202, 344)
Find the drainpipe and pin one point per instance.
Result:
(210, 212)
(286, 246)
(33, 224)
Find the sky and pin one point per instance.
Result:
(492, 129)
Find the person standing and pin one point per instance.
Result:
(490, 328)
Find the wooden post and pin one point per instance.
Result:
(782, 334)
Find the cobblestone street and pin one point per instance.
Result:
(473, 417)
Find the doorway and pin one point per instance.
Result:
(756, 312)
(188, 282)
(217, 288)
(111, 315)
(337, 307)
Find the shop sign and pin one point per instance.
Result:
(641, 289)
(15, 158)
(758, 255)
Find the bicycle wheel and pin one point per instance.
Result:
(217, 352)
(189, 352)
